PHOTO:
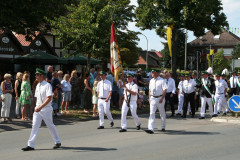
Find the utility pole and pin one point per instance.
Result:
(185, 61)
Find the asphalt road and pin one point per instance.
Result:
(190, 139)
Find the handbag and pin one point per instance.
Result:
(2, 97)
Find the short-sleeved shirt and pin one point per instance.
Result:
(66, 86)
(43, 90)
(189, 86)
(49, 75)
(55, 83)
(133, 87)
(157, 86)
(104, 87)
(220, 85)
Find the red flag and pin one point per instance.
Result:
(116, 63)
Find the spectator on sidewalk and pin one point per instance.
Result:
(66, 88)
(7, 90)
(17, 87)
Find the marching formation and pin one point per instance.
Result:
(207, 92)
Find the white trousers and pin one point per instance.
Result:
(46, 115)
(219, 99)
(17, 106)
(180, 103)
(104, 107)
(6, 105)
(154, 105)
(205, 100)
(133, 109)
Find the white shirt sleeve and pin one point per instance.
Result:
(98, 85)
(110, 87)
(164, 85)
(174, 86)
(49, 90)
(135, 88)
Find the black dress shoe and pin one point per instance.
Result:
(178, 114)
(184, 116)
(123, 130)
(201, 117)
(192, 116)
(100, 127)
(149, 131)
(215, 115)
(172, 115)
(224, 114)
(163, 129)
(111, 124)
(138, 127)
(28, 148)
(58, 145)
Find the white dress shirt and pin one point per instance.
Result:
(233, 82)
(189, 86)
(104, 87)
(157, 86)
(43, 90)
(133, 87)
(171, 85)
(220, 85)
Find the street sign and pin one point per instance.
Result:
(234, 103)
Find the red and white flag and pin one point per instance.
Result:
(116, 63)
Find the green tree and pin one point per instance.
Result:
(28, 16)
(236, 52)
(220, 62)
(180, 51)
(194, 15)
(86, 27)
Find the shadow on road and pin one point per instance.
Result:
(183, 132)
(82, 149)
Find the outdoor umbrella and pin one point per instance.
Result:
(40, 57)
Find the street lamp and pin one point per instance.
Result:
(147, 51)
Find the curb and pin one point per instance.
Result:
(225, 120)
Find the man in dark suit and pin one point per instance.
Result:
(207, 88)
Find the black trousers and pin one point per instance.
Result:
(189, 97)
(197, 103)
(232, 91)
(169, 99)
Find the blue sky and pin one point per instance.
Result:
(230, 7)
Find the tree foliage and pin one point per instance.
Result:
(194, 15)
(180, 51)
(220, 62)
(28, 16)
(236, 52)
(86, 27)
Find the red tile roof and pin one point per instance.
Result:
(141, 60)
(21, 38)
(159, 54)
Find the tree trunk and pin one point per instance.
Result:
(174, 53)
(88, 63)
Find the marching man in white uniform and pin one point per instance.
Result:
(43, 111)
(157, 92)
(104, 92)
(130, 101)
(221, 90)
